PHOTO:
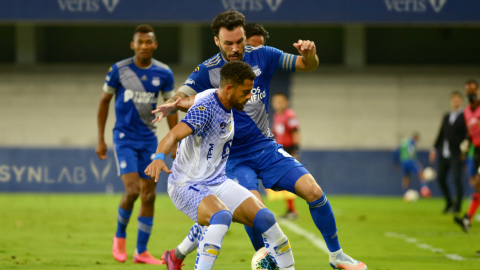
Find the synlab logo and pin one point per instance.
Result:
(96, 173)
(87, 5)
(251, 5)
(414, 5)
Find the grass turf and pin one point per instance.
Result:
(51, 231)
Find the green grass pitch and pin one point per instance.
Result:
(71, 231)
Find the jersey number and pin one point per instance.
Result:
(192, 188)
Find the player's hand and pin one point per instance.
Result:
(155, 168)
(101, 150)
(306, 48)
(165, 110)
(464, 146)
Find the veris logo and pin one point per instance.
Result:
(414, 5)
(87, 5)
(252, 5)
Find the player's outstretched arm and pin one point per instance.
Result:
(165, 110)
(175, 135)
(102, 115)
(308, 61)
(182, 104)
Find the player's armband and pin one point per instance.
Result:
(287, 62)
(168, 94)
(108, 89)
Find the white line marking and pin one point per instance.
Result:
(313, 238)
(411, 240)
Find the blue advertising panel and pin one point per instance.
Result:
(278, 11)
(79, 170)
(61, 170)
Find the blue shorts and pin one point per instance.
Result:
(269, 165)
(411, 166)
(132, 156)
(471, 167)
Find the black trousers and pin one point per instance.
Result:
(456, 166)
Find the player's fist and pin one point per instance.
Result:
(101, 150)
(306, 48)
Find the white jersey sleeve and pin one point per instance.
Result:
(204, 94)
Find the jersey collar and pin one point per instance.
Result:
(220, 103)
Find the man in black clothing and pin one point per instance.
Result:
(452, 133)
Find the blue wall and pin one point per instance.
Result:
(80, 170)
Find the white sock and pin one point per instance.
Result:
(209, 246)
(279, 247)
(333, 255)
(189, 244)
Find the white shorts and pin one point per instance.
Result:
(187, 198)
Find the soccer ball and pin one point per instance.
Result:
(429, 174)
(262, 261)
(411, 196)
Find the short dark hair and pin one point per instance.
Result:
(229, 19)
(235, 73)
(254, 29)
(144, 29)
(472, 81)
(456, 93)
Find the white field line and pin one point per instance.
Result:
(312, 237)
(411, 240)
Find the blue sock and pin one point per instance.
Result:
(122, 221)
(264, 220)
(324, 219)
(255, 237)
(144, 230)
(221, 217)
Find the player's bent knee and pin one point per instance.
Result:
(148, 197)
(308, 189)
(221, 217)
(264, 219)
(132, 193)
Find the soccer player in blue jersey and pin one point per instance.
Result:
(136, 83)
(254, 154)
(198, 185)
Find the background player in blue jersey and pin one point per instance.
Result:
(136, 83)
(198, 185)
(406, 155)
(254, 154)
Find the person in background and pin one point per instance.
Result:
(451, 134)
(286, 131)
(136, 83)
(472, 117)
(406, 155)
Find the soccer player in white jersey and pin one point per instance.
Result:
(198, 185)
(254, 154)
(136, 83)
